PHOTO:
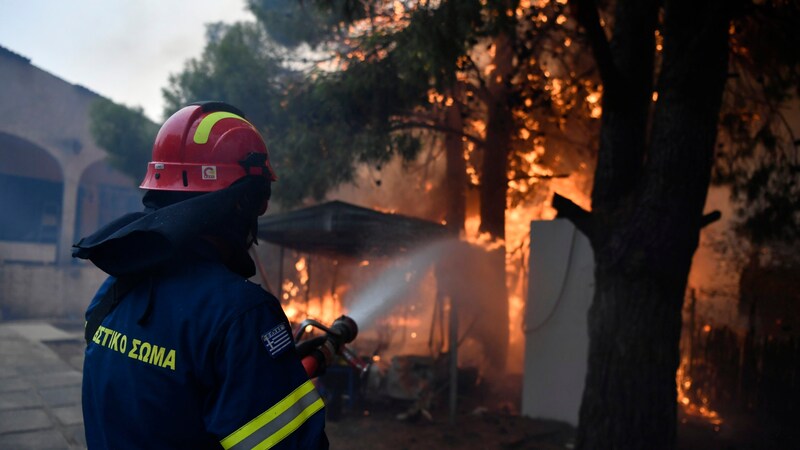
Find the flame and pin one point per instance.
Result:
(528, 171)
(479, 126)
(684, 385)
(398, 9)
(298, 305)
(593, 102)
(435, 97)
(324, 309)
(385, 210)
(516, 309)
(517, 229)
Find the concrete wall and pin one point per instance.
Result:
(38, 291)
(560, 291)
(50, 114)
(27, 251)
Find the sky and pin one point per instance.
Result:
(124, 50)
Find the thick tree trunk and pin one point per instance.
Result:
(629, 399)
(644, 235)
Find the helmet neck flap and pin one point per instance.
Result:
(174, 228)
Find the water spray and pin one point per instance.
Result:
(393, 284)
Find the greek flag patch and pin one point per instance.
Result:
(277, 340)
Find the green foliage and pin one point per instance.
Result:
(292, 23)
(339, 120)
(125, 133)
(368, 95)
(317, 128)
(238, 66)
(436, 38)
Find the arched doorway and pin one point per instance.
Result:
(31, 193)
(104, 194)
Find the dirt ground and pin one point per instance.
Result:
(488, 419)
(377, 428)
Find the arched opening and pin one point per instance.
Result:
(104, 194)
(31, 194)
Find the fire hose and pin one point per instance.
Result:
(320, 352)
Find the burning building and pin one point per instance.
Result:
(415, 290)
(354, 256)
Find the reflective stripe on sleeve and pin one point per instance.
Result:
(273, 425)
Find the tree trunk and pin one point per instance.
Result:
(644, 236)
(499, 127)
(629, 398)
(494, 184)
(493, 191)
(456, 170)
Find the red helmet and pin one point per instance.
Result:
(206, 147)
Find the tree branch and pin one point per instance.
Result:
(540, 177)
(481, 90)
(582, 219)
(710, 218)
(404, 125)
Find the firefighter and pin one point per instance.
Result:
(182, 350)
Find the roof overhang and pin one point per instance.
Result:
(342, 229)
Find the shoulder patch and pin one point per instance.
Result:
(277, 340)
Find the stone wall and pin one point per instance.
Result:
(46, 291)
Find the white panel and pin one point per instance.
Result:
(560, 290)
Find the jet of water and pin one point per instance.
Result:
(379, 296)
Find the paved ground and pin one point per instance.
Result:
(40, 386)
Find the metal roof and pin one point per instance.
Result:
(339, 228)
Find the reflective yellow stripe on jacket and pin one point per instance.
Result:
(273, 425)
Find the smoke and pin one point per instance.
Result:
(413, 189)
(715, 270)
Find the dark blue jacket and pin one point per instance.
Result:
(193, 358)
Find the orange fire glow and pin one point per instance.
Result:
(690, 407)
(393, 15)
(518, 220)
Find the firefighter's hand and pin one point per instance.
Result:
(304, 348)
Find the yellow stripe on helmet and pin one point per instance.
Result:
(208, 122)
